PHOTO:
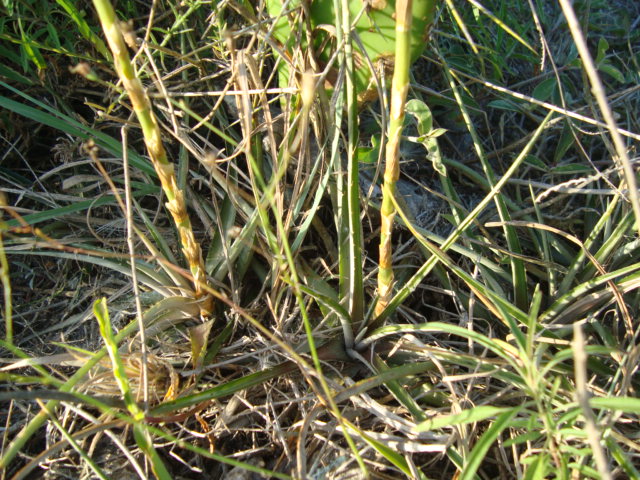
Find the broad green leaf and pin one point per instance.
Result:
(612, 71)
(434, 155)
(567, 139)
(30, 48)
(422, 114)
(535, 162)
(437, 132)
(369, 155)
(505, 105)
(603, 46)
(538, 467)
(545, 89)
(374, 29)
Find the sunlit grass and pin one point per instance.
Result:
(352, 331)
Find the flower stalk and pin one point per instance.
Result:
(176, 205)
(399, 88)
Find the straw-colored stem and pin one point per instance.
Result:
(5, 280)
(399, 88)
(152, 138)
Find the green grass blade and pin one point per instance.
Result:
(499, 347)
(74, 444)
(620, 404)
(472, 415)
(71, 126)
(519, 277)
(21, 439)
(479, 452)
(399, 392)
(622, 458)
(352, 191)
(228, 388)
(570, 300)
(424, 270)
(84, 29)
(509, 314)
(327, 302)
(140, 432)
(58, 213)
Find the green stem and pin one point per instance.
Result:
(356, 300)
(399, 88)
(5, 280)
(152, 137)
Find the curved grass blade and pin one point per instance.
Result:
(21, 439)
(472, 415)
(496, 303)
(80, 206)
(394, 457)
(622, 458)
(84, 29)
(519, 277)
(582, 296)
(328, 303)
(400, 393)
(69, 125)
(69, 438)
(140, 432)
(417, 278)
(479, 452)
(502, 25)
(499, 347)
(147, 274)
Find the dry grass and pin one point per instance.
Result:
(509, 346)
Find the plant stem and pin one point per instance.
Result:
(399, 88)
(5, 279)
(152, 138)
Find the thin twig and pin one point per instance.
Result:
(593, 435)
(598, 91)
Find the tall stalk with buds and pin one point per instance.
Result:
(152, 138)
(399, 88)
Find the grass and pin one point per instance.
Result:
(246, 328)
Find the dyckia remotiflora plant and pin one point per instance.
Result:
(152, 137)
(371, 38)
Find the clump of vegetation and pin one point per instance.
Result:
(335, 239)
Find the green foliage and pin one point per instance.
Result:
(41, 31)
(373, 35)
(471, 369)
